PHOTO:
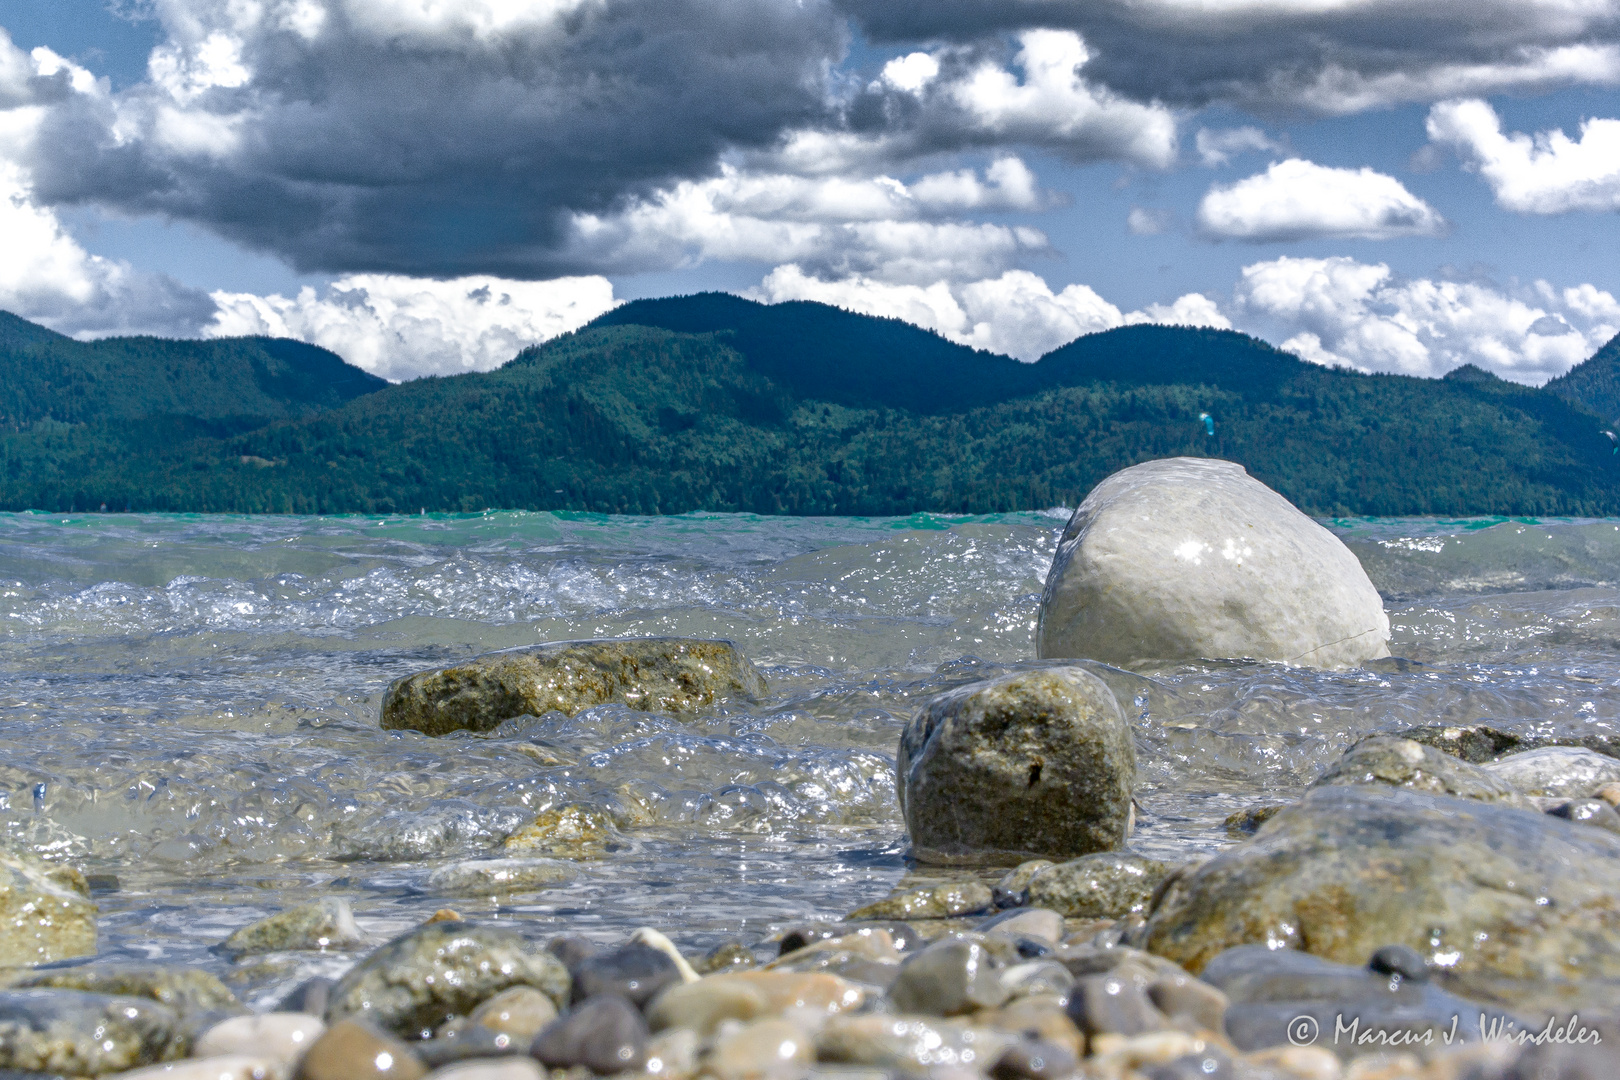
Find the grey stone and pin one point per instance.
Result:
(1384, 759)
(1010, 891)
(311, 996)
(80, 1034)
(606, 1034)
(1348, 1010)
(733, 955)
(1247, 822)
(1102, 886)
(1182, 997)
(1586, 1061)
(908, 1044)
(1594, 812)
(932, 902)
(1035, 922)
(1113, 1005)
(415, 982)
(634, 972)
(1036, 978)
(1032, 763)
(467, 1042)
(1481, 743)
(1189, 558)
(669, 675)
(46, 913)
(490, 877)
(1402, 960)
(1516, 905)
(185, 990)
(571, 949)
(282, 1038)
(865, 956)
(326, 924)
(949, 977)
(1561, 771)
(1034, 1059)
(351, 1050)
(1210, 1064)
(520, 1011)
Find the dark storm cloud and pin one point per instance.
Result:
(1284, 57)
(387, 140)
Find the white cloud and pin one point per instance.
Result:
(1340, 311)
(1016, 313)
(46, 276)
(404, 328)
(1010, 186)
(1298, 199)
(1547, 174)
(1217, 146)
(911, 72)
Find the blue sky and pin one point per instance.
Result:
(428, 187)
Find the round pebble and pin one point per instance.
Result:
(279, 1037)
(226, 1067)
(351, 1050)
(1033, 1059)
(520, 1011)
(605, 1034)
(763, 1050)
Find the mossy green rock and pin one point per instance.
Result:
(328, 923)
(938, 902)
(1101, 886)
(419, 980)
(1033, 763)
(79, 1034)
(46, 913)
(185, 990)
(1384, 759)
(667, 675)
(1516, 906)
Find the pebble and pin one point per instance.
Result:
(422, 978)
(936, 902)
(1594, 812)
(1102, 886)
(485, 877)
(571, 949)
(1567, 771)
(1387, 759)
(351, 1050)
(326, 924)
(1609, 793)
(1298, 1062)
(565, 832)
(1036, 1018)
(310, 997)
(1034, 1059)
(1247, 822)
(763, 1050)
(605, 1034)
(750, 995)
(520, 1012)
(673, 1054)
(1042, 977)
(908, 1044)
(46, 913)
(1208, 1064)
(1009, 891)
(635, 972)
(509, 1068)
(948, 978)
(279, 1037)
(186, 990)
(733, 955)
(646, 935)
(1035, 922)
(1184, 997)
(1113, 1005)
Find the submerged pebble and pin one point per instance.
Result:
(326, 924)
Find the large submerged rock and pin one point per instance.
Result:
(669, 675)
(46, 913)
(1033, 763)
(1190, 558)
(1513, 905)
(1383, 759)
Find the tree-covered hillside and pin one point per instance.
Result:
(244, 382)
(1594, 383)
(623, 417)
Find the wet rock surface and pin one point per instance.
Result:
(606, 1034)
(1098, 886)
(1033, 763)
(328, 923)
(1559, 771)
(1517, 905)
(1404, 763)
(1188, 558)
(46, 913)
(634, 972)
(417, 981)
(352, 1050)
(669, 675)
(1479, 744)
(185, 990)
(81, 1034)
(933, 902)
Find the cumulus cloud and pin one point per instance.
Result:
(1217, 146)
(1016, 313)
(1295, 55)
(1340, 311)
(47, 276)
(404, 328)
(1298, 199)
(1547, 174)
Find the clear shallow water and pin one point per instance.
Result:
(189, 703)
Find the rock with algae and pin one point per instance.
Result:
(79, 1034)
(667, 675)
(46, 913)
(1032, 763)
(1383, 759)
(326, 924)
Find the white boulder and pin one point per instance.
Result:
(1189, 558)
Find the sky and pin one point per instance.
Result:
(429, 186)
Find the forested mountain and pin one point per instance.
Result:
(244, 381)
(1594, 383)
(724, 404)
